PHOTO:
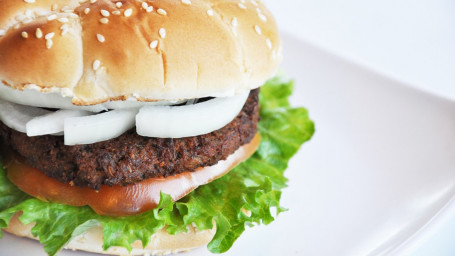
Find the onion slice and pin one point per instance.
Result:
(96, 128)
(16, 116)
(52, 123)
(188, 120)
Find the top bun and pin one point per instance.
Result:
(100, 50)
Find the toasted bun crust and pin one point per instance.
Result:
(180, 50)
(161, 243)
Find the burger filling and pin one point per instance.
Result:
(128, 159)
(244, 196)
(121, 200)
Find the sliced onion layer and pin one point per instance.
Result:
(17, 116)
(84, 127)
(52, 123)
(97, 128)
(188, 120)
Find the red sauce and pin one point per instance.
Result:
(121, 200)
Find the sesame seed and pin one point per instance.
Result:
(128, 12)
(118, 4)
(2, 32)
(64, 29)
(210, 12)
(269, 43)
(116, 12)
(49, 36)
(92, 1)
(187, 2)
(24, 34)
(149, 9)
(96, 65)
(87, 10)
(161, 11)
(154, 44)
(52, 17)
(27, 20)
(162, 32)
(63, 20)
(274, 54)
(49, 43)
(241, 6)
(262, 17)
(145, 5)
(100, 38)
(258, 29)
(254, 2)
(29, 1)
(235, 22)
(20, 17)
(104, 20)
(105, 13)
(73, 15)
(38, 33)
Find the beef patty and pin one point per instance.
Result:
(131, 158)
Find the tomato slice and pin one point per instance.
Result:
(121, 200)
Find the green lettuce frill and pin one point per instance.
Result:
(253, 186)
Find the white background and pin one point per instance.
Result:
(410, 40)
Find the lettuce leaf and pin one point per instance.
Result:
(243, 197)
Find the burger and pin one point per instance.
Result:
(135, 126)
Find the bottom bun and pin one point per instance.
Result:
(161, 242)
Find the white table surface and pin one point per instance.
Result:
(412, 41)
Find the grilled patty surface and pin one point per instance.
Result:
(131, 158)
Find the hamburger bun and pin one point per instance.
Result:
(91, 52)
(161, 242)
(180, 50)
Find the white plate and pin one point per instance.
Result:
(379, 168)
